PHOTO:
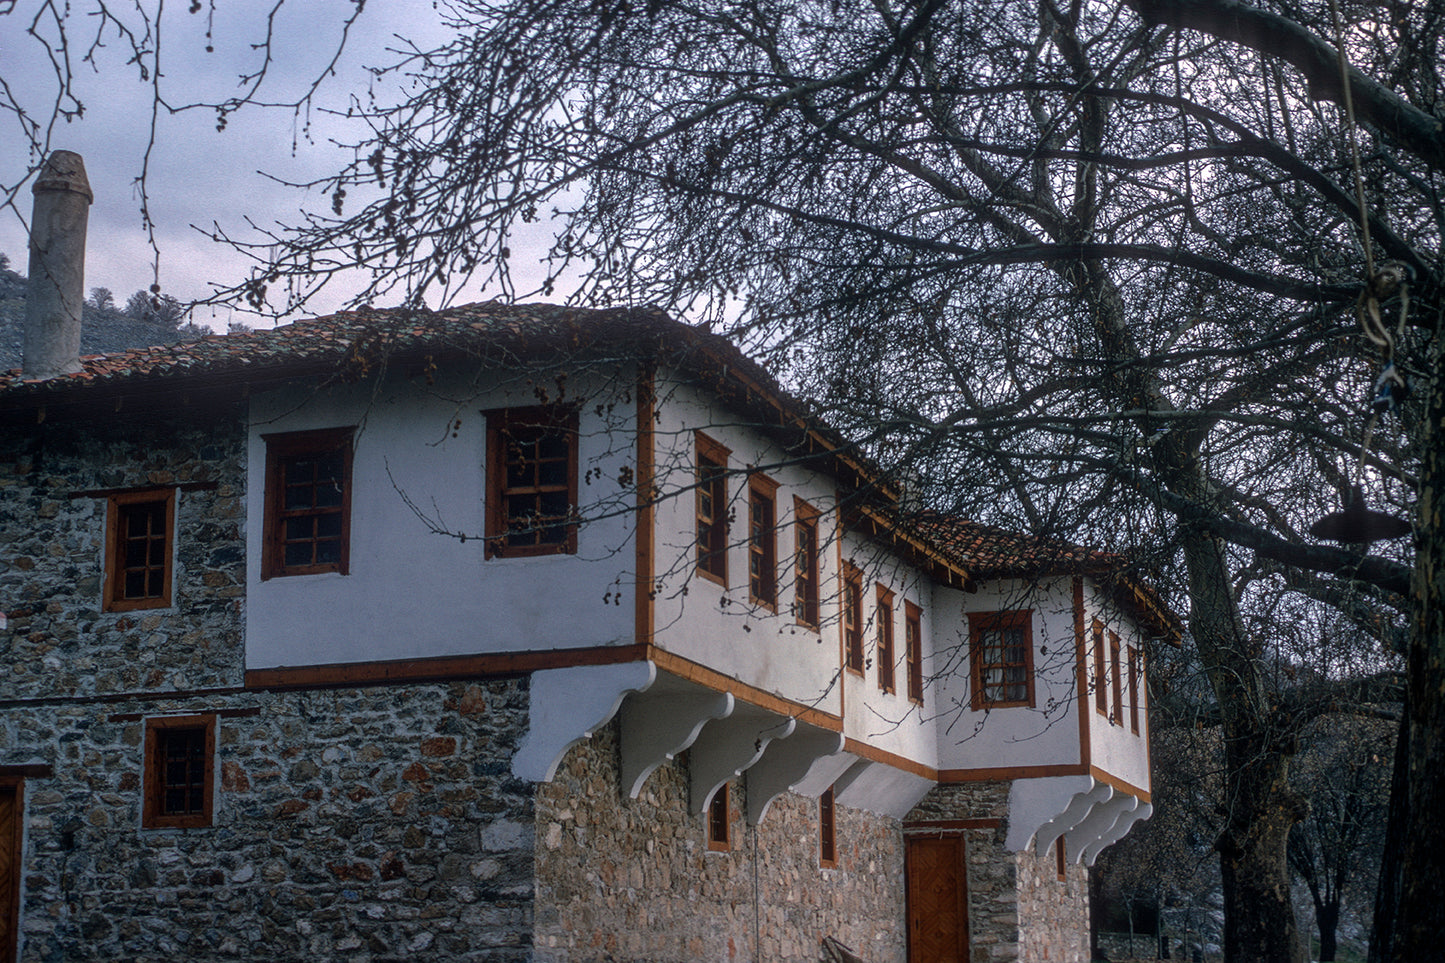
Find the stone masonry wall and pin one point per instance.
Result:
(621, 879)
(1053, 914)
(993, 892)
(378, 824)
(52, 543)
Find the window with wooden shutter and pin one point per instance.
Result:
(719, 821)
(138, 537)
(179, 772)
(1002, 659)
(806, 564)
(531, 481)
(827, 830)
(308, 503)
(712, 509)
(883, 622)
(852, 618)
(913, 645)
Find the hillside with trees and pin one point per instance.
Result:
(105, 326)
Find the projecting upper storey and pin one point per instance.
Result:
(634, 512)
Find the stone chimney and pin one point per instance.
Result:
(57, 267)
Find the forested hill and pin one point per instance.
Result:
(104, 327)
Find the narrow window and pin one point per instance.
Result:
(853, 618)
(308, 503)
(883, 615)
(1101, 670)
(913, 642)
(179, 771)
(531, 481)
(1002, 659)
(805, 576)
(1134, 673)
(1061, 868)
(762, 542)
(139, 528)
(827, 830)
(719, 820)
(1116, 714)
(712, 525)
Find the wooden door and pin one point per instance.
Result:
(937, 900)
(9, 870)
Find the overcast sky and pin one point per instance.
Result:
(198, 175)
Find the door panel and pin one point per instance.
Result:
(9, 870)
(937, 900)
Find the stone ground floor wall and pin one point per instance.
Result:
(378, 824)
(1018, 909)
(1053, 913)
(625, 879)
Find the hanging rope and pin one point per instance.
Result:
(1391, 280)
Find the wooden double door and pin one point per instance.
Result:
(937, 895)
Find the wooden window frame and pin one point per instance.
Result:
(1135, 657)
(118, 510)
(913, 654)
(827, 830)
(712, 523)
(883, 617)
(10, 909)
(807, 565)
(1101, 670)
(280, 449)
(720, 820)
(1116, 677)
(851, 618)
(564, 420)
(981, 622)
(154, 815)
(763, 543)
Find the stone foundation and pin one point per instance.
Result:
(1018, 909)
(1053, 913)
(625, 879)
(369, 825)
(53, 486)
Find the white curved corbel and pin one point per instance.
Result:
(1045, 809)
(785, 762)
(728, 747)
(1130, 812)
(655, 728)
(567, 705)
(1101, 816)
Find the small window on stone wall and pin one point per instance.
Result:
(1060, 866)
(138, 533)
(719, 820)
(827, 831)
(180, 754)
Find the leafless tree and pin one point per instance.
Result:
(1103, 268)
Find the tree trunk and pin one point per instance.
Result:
(1327, 915)
(1387, 891)
(1259, 918)
(1260, 807)
(1419, 912)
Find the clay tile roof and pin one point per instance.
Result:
(989, 552)
(332, 339)
(986, 551)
